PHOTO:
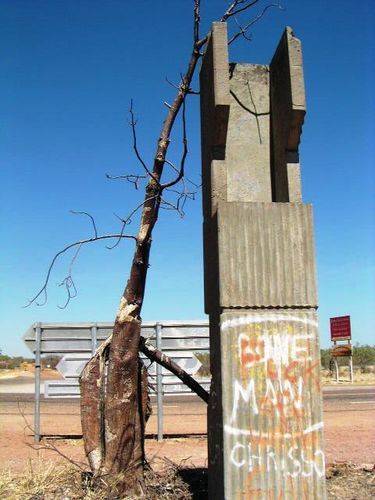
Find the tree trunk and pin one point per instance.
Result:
(115, 408)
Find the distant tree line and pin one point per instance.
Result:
(363, 357)
(12, 362)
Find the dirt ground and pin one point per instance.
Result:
(348, 420)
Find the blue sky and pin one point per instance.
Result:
(69, 69)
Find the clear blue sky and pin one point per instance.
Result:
(68, 71)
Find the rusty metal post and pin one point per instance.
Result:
(94, 338)
(351, 369)
(159, 383)
(265, 413)
(38, 341)
(336, 369)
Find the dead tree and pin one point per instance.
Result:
(114, 396)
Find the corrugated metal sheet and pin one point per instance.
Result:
(76, 341)
(172, 386)
(266, 255)
(77, 337)
(272, 411)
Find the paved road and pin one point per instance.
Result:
(349, 394)
(353, 394)
(348, 417)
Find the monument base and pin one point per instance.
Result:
(270, 400)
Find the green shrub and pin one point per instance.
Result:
(363, 356)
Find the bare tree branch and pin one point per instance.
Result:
(233, 11)
(235, 8)
(91, 218)
(185, 178)
(47, 446)
(182, 197)
(43, 290)
(155, 355)
(133, 123)
(132, 178)
(243, 29)
(190, 91)
(197, 20)
(128, 220)
(172, 84)
(167, 205)
(68, 282)
(184, 151)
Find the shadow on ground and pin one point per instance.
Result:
(196, 480)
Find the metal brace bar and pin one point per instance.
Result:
(38, 342)
(159, 383)
(94, 338)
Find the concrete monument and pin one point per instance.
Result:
(265, 414)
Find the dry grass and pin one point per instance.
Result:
(42, 480)
(359, 377)
(350, 482)
(45, 481)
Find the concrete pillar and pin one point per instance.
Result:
(265, 413)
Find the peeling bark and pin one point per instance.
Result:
(113, 422)
(92, 402)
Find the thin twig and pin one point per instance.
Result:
(43, 290)
(128, 220)
(132, 178)
(185, 178)
(133, 123)
(232, 11)
(184, 151)
(70, 287)
(242, 31)
(48, 446)
(88, 215)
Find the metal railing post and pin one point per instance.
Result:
(336, 369)
(159, 384)
(94, 338)
(38, 339)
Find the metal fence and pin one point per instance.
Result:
(76, 342)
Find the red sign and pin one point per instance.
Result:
(340, 328)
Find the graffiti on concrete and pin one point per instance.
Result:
(273, 377)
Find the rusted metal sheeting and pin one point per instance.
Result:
(272, 264)
(272, 410)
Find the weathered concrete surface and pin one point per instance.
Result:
(248, 139)
(264, 418)
(271, 404)
(215, 102)
(293, 172)
(288, 108)
(266, 255)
